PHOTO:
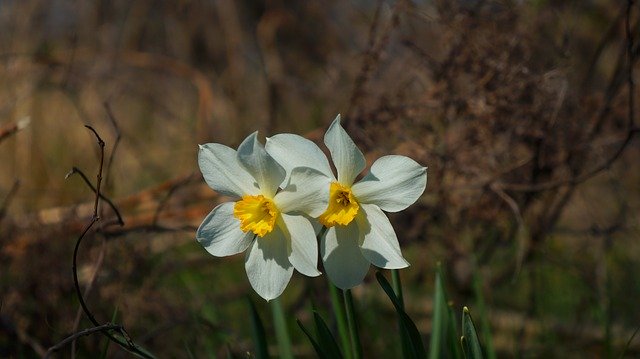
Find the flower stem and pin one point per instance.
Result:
(282, 333)
(341, 320)
(356, 348)
(397, 286)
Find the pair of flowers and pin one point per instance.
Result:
(285, 191)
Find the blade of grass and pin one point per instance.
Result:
(469, 339)
(438, 322)
(114, 316)
(325, 337)
(317, 347)
(444, 338)
(415, 347)
(282, 333)
(484, 321)
(624, 350)
(257, 332)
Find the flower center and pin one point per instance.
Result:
(256, 213)
(343, 206)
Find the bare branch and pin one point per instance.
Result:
(102, 197)
(100, 328)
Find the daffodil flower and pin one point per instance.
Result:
(266, 220)
(359, 233)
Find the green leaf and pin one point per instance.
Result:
(416, 347)
(257, 332)
(321, 353)
(484, 321)
(469, 339)
(326, 339)
(444, 338)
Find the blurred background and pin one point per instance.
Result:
(522, 111)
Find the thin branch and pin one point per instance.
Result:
(99, 175)
(102, 197)
(101, 328)
(125, 343)
(166, 198)
(87, 290)
(630, 64)
(631, 130)
(116, 128)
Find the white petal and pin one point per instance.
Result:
(267, 265)
(379, 243)
(306, 192)
(266, 171)
(220, 232)
(293, 151)
(304, 247)
(222, 171)
(393, 184)
(343, 261)
(347, 158)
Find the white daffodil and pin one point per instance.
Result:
(263, 218)
(359, 233)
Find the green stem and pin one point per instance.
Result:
(282, 333)
(356, 348)
(397, 289)
(341, 320)
(397, 286)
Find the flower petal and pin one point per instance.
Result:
(267, 265)
(393, 184)
(304, 248)
(307, 192)
(379, 243)
(220, 232)
(343, 261)
(266, 171)
(347, 158)
(222, 171)
(293, 151)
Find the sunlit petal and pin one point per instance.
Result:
(266, 171)
(267, 265)
(293, 151)
(347, 158)
(220, 232)
(304, 248)
(393, 184)
(379, 243)
(306, 192)
(343, 261)
(222, 171)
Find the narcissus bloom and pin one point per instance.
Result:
(265, 219)
(359, 233)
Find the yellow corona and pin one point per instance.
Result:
(256, 213)
(343, 206)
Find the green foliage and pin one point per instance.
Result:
(413, 347)
(469, 339)
(326, 345)
(257, 332)
(444, 339)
